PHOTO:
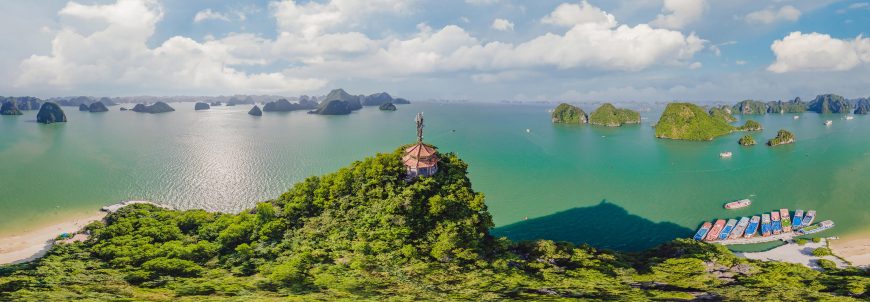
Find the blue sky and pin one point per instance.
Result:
(481, 50)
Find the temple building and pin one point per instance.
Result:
(419, 159)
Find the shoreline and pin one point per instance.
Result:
(33, 244)
(794, 253)
(856, 250)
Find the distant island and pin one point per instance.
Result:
(84, 107)
(750, 107)
(401, 101)
(10, 108)
(218, 103)
(338, 102)
(376, 99)
(107, 102)
(747, 141)
(568, 114)
(97, 107)
(255, 111)
(687, 121)
(123, 109)
(50, 113)
(284, 105)
(793, 106)
(782, 137)
(387, 106)
(159, 107)
(830, 103)
(723, 113)
(23, 103)
(608, 115)
(862, 106)
(201, 106)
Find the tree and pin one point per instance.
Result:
(802, 241)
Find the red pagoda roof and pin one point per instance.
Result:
(420, 150)
(415, 152)
(411, 162)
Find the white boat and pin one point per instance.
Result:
(726, 154)
(796, 117)
(829, 122)
(849, 117)
(527, 130)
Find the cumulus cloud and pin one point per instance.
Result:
(575, 14)
(695, 65)
(503, 25)
(118, 55)
(857, 5)
(682, 12)
(740, 62)
(313, 18)
(481, 2)
(207, 14)
(818, 52)
(770, 15)
(505, 76)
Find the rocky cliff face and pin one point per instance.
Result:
(50, 113)
(747, 141)
(387, 106)
(83, 107)
(830, 103)
(750, 107)
(567, 114)
(862, 106)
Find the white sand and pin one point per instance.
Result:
(33, 244)
(856, 251)
(795, 253)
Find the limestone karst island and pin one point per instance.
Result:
(454, 150)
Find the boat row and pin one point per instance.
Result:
(774, 223)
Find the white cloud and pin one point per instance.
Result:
(740, 62)
(818, 52)
(502, 24)
(695, 65)
(573, 14)
(857, 5)
(207, 14)
(506, 76)
(464, 19)
(118, 55)
(716, 50)
(481, 2)
(313, 18)
(682, 12)
(769, 15)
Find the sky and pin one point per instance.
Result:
(478, 50)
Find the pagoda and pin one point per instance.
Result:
(420, 160)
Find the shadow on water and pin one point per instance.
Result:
(605, 225)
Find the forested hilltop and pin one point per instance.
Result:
(363, 234)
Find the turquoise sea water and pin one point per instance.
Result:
(618, 187)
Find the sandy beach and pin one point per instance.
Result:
(795, 253)
(856, 251)
(33, 244)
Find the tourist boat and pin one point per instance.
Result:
(703, 231)
(713, 234)
(765, 224)
(798, 219)
(775, 224)
(726, 154)
(738, 204)
(642, 109)
(829, 122)
(738, 230)
(796, 117)
(786, 222)
(753, 226)
(527, 130)
(849, 117)
(808, 219)
(728, 228)
(824, 225)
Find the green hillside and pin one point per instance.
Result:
(568, 114)
(689, 122)
(608, 115)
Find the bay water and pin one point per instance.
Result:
(611, 187)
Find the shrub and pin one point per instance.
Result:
(827, 264)
(817, 239)
(821, 252)
(802, 241)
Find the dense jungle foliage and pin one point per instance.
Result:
(793, 106)
(608, 115)
(750, 107)
(830, 103)
(565, 113)
(782, 137)
(722, 114)
(363, 234)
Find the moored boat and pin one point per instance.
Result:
(703, 231)
(821, 226)
(828, 122)
(849, 117)
(738, 230)
(738, 204)
(808, 218)
(713, 234)
(728, 228)
(786, 221)
(726, 154)
(753, 226)
(798, 219)
(775, 222)
(765, 224)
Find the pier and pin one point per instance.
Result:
(114, 207)
(758, 239)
